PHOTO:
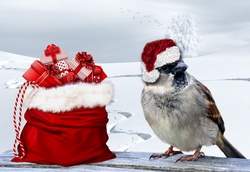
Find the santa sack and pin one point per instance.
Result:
(66, 125)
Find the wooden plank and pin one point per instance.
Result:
(136, 162)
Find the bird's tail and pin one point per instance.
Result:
(228, 149)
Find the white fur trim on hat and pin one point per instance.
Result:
(151, 76)
(170, 55)
(68, 97)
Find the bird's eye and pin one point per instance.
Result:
(167, 68)
(173, 64)
(164, 69)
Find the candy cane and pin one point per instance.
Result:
(17, 121)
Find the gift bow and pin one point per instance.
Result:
(85, 60)
(52, 50)
(52, 70)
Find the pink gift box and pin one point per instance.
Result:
(82, 64)
(81, 71)
(53, 54)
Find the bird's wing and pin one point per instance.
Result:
(213, 112)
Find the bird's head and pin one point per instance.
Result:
(161, 57)
(176, 68)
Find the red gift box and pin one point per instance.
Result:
(71, 77)
(53, 54)
(97, 75)
(41, 76)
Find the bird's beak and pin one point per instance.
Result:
(179, 68)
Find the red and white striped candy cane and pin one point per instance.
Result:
(17, 120)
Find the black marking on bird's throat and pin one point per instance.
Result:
(167, 102)
(180, 81)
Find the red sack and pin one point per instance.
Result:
(65, 127)
(68, 138)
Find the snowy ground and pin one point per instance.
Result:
(228, 81)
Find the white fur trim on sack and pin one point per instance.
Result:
(67, 97)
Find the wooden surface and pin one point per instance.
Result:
(133, 161)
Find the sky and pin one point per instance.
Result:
(112, 31)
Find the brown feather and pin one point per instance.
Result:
(213, 111)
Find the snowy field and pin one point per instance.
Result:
(115, 36)
(228, 81)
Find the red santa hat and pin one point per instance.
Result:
(156, 54)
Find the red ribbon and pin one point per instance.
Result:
(52, 70)
(86, 60)
(52, 50)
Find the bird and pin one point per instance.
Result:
(180, 110)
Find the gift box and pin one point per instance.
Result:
(42, 75)
(53, 54)
(71, 77)
(97, 75)
(82, 65)
(63, 68)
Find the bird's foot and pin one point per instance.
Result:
(169, 152)
(193, 157)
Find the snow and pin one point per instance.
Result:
(222, 65)
(128, 130)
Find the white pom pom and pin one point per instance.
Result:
(151, 76)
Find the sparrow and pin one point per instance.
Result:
(180, 109)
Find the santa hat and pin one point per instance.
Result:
(156, 54)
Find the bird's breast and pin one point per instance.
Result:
(177, 118)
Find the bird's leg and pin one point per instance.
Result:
(169, 152)
(193, 157)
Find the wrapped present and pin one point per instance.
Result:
(63, 68)
(97, 75)
(71, 77)
(42, 75)
(82, 65)
(53, 54)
